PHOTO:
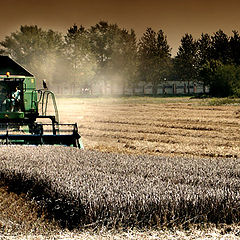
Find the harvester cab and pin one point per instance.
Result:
(25, 114)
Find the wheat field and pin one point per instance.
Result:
(89, 188)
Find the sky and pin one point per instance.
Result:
(174, 17)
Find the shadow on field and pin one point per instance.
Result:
(54, 206)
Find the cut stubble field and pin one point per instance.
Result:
(156, 126)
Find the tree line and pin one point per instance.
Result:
(109, 54)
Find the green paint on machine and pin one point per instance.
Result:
(21, 104)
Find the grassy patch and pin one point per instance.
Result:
(222, 101)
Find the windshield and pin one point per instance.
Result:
(11, 96)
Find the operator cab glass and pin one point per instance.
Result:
(11, 95)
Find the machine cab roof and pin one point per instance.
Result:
(7, 65)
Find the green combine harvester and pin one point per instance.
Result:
(27, 115)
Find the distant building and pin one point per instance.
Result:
(177, 87)
(167, 87)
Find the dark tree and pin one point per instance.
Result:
(220, 49)
(186, 61)
(103, 39)
(223, 79)
(204, 56)
(124, 59)
(154, 57)
(79, 56)
(35, 49)
(115, 53)
(204, 49)
(235, 48)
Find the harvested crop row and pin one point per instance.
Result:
(89, 187)
(156, 126)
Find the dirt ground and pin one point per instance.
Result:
(156, 126)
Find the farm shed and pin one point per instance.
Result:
(142, 88)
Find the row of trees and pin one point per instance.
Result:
(107, 53)
(212, 60)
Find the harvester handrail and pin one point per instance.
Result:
(45, 98)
